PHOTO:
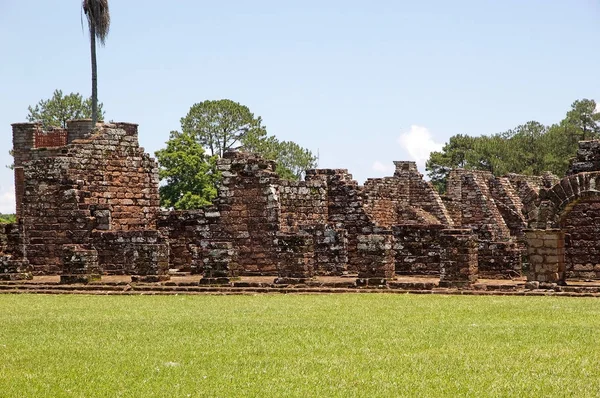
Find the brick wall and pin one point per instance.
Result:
(103, 182)
(249, 207)
(187, 232)
(302, 203)
(582, 251)
(418, 249)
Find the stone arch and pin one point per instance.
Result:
(551, 204)
(564, 239)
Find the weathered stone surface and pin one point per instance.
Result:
(418, 249)
(100, 180)
(459, 258)
(295, 252)
(139, 253)
(546, 262)
(499, 259)
(330, 248)
(93, 187)
(219, 261)
(79, 265)
(376, 253)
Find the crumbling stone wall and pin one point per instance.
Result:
(477, 205)
(587, 158)
(101, 180)
(582, 227)
(345, 207)
(564, 240)
(404, 198)
(330, 249)
(418, 249)
(249, 207)
(302, 203)
(141, 253)
(13, 264)
(187, 233)
(459, 258)
(97, 189)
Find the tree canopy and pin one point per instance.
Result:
(188, 163)
(189, 174)
(529, 149)
(222, 125)
(55, 111)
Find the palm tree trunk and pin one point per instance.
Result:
(94, 76)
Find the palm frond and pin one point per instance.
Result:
(98, 17)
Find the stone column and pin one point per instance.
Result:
(219, 259)
(376, 258)
(295, 257)
(458, 258)
(546, 250)
(79, 265)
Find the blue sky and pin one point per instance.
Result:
(363, 83)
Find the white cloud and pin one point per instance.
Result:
(7, 202)
(419, 143)
(382, 168)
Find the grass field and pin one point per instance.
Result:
(315, 345)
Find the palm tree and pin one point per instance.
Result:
(98, 18)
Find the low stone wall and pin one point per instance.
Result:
(137, 253)
(184, 231)
(459, 258)
(375, 253)
(80, 265)
(295, 252)
(330, 249)
(499, 260)
(417, 249)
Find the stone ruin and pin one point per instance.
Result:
(87, 205)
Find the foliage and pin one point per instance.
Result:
(222, 125)
(292, 159)
(381, 345)
(453, 155)
(8, 218)
(218, 126)
(190, 175)
(529, 149)
(56, 111)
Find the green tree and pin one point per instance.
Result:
(293, 160)
(222, 125)
(55, 112)
(454, 154)
(529, 149)
(525, 152)
(584, 118)
(98, 17)
(190, 175)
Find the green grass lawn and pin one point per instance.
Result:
(314, 345)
